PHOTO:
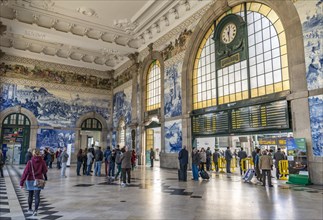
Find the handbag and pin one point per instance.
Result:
(40, 183)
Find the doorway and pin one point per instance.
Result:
(91, 133)
(153, 141)
(15, 138)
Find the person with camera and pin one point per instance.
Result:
(33, 179)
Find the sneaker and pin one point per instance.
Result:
(35, 213)
(127, 183)
(123, 184)
(29, 211)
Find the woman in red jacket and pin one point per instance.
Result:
(35, 169)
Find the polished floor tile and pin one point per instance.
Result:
(155, 193)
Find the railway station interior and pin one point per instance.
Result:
(155, 77)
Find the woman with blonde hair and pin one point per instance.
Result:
(35, 169)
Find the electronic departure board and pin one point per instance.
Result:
(211, 123)
(266, 116)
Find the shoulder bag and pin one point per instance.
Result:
(40, 183)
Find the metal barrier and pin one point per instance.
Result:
(221, 164)
(233, 164)
(283, 169)
(245, 164)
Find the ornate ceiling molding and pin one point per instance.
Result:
(60, 67)
(55, 86)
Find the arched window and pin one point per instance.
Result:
(16, 119)
(264, 72)
(121, 133)
(91, 124)
(153, 86)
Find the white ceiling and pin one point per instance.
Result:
(96, 34)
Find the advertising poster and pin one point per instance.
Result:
(296, 151)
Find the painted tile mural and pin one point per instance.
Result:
(122, 106)
(173, 96)
(311, 15)
(316, 118)
(53, 107)
(173, 136)
(55, 138)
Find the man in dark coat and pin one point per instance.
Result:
(183, 161)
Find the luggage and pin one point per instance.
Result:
(204, 175)
(248, 175)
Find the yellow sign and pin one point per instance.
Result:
(267, 141)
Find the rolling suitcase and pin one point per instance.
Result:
(249, 175)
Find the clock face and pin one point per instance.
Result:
(228, 33)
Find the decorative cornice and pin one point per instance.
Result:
(172, 34)
(55, 86)
(122, 87)
(61, 67)
(175, 59)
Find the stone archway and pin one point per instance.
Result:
(33, 122)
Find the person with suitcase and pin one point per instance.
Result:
(183, 161)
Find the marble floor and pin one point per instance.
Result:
(155, 193)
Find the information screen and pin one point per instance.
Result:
(266, 116)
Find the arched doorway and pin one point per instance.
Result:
(15, 137)
(91, 129)
(153, 141)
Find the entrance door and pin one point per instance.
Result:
(91, 133)
(15, 138)
(153, 141)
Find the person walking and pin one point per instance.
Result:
(228, 158)
(152, 157)
(79, 161)
(195, 164)
(278, 156)
(64, 158)
(35, 169)
(216, 157)
(126, 167)
(183, 161)
(1, 163)
(265, 165)
(257, 170)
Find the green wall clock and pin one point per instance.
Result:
(230, 37)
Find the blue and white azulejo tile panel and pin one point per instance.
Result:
(173, 136)
(122, 106)
(311, 15)
(173, 92)
(316, 118)
(52, 107)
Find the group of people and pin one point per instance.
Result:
(120, 159)
(263, 162)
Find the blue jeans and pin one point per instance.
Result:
(63, 169)
(195, 172)
(78, 168)
(88, 172)
(111, 169)
(98, 168)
